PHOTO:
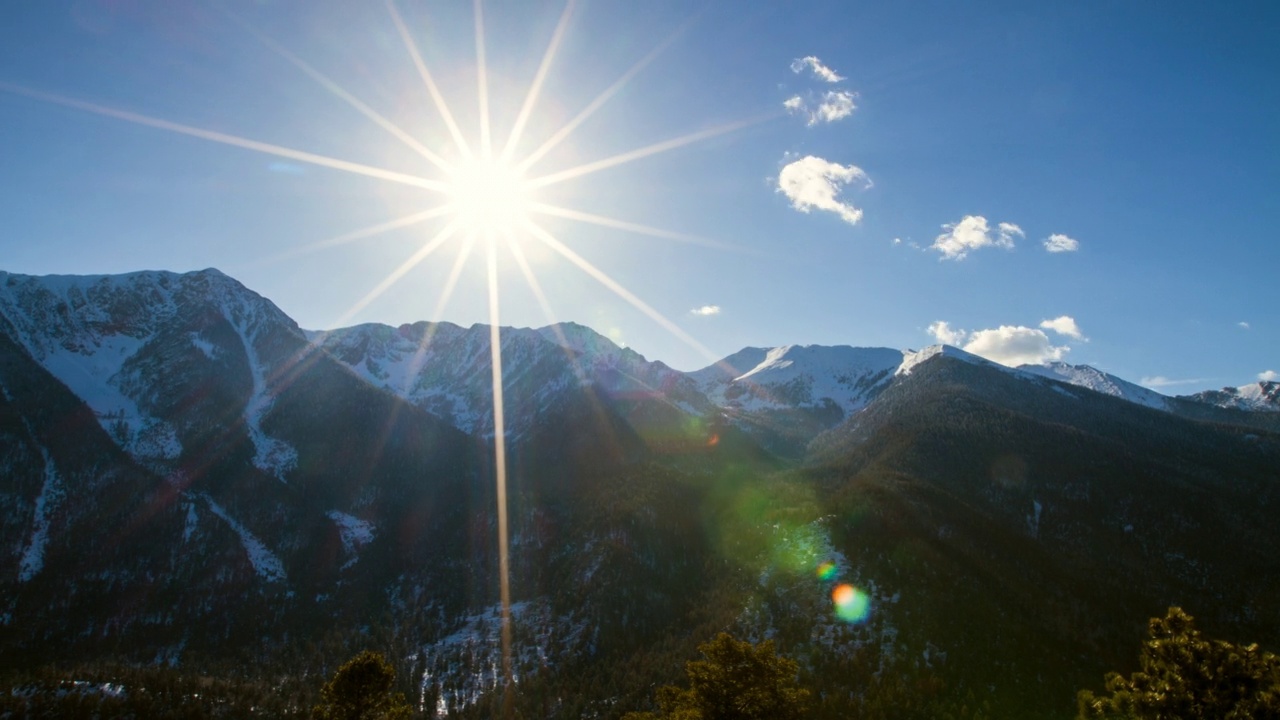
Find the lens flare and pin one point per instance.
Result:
(826, 571)
(852, 605)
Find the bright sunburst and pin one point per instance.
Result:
(489, 195)
(486, 197)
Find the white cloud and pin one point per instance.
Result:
(1064, 325)
(1268, 376)
(813, 183)
(897, 241)
(706, 310)
(1160, 381)
(1058, 243)
(942, 332)
(1243, 325)
(834, 105)
(1015, 345)
(820, 71)
(1010, 345)
(1007, 231)
(973, 233)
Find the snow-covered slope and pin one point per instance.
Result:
(912, 358)
(1261, 396)
(1098, 381)
(127, 344)
(446, 370)
(798, 376)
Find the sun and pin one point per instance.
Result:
(489, 195)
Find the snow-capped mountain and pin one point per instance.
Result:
(1098, 381)
(135, 348)
(1262, 396)
(446, 370)
(798, 376)
(185, 474)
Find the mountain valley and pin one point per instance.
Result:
(193, 482)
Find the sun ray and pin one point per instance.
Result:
(646, 151)
(482, 82)
(536, 287)
(371, 231)
(432, 89)
(446, 293)
(500, 465)
(341, 93)
(599, 102)
(395, 275)
(570, 214)
(225, 139)
(536, 87)
(583, 264)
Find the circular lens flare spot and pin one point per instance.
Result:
(826, 571)
(852, 605)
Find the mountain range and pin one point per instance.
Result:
(192, 480)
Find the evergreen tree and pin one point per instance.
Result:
(361, 690)
(736, 681)
(1186, 677)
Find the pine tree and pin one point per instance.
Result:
(736, 681)
(361, 690)
(1186, 677)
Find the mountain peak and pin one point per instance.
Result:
(1098, 381)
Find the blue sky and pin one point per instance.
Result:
(895, 172)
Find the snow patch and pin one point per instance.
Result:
(264, 562)
(209, 349)
(271, 455)
(354, 532)
(51, 493)
(189, 528)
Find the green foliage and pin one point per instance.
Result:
(361, 690)
(1186, 677)
(736, 681)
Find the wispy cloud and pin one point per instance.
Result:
(1058, 243)
(812, 183)
(942, 332)
(973, 233)
(820, 71)
(1268, 376)
(831, 106)
(706, 310)
(1160, 381)
(1064, 325)
(1010, 345)
(1243, 325)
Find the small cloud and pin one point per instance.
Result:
(973, 233)
(706, 310)
(1064, 325)
(1243, 325)
(897, 241)
(942, 332)
(813, 183)
(1268, 376)
(1010, 345)
(832, 106)
(1006, 233)
(1160, 381)
(1015, 345)
(820, 71)
(286, 168)
(1061, 243)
